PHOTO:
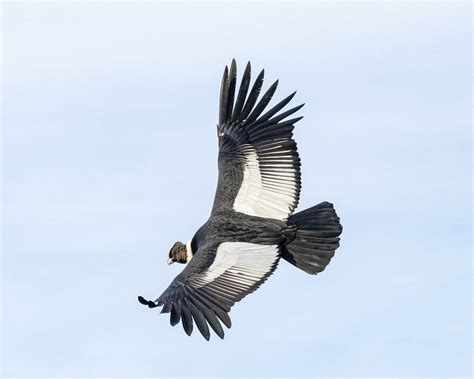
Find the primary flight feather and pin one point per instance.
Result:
(252, 225)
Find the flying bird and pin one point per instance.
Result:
(252, 225)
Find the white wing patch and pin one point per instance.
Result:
(268, 192)
(240, 264)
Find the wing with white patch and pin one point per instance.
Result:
(259, 166)
(213, 281)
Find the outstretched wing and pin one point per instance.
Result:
(214, 279)
(259, 166)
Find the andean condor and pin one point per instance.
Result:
(252, 225)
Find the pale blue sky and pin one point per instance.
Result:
(109, 156)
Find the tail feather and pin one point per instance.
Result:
(313, 238)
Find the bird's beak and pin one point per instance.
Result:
(169, 261)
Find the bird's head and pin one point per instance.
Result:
(178, 253)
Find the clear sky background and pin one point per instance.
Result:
(109, 157)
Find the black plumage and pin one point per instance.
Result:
(251, 226)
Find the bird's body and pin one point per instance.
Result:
(230, 226)
(251, 226)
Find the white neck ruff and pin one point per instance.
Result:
(189, 251)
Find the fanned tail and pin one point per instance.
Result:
(314, 238)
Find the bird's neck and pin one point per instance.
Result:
(189, 251)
